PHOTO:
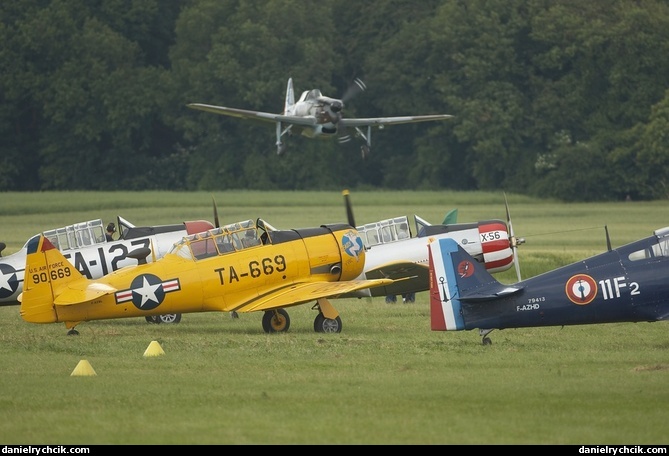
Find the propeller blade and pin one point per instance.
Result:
(608, 239)
(349, 209)
(515, 242)
(354, 89)
(344, 136)
(216, 223)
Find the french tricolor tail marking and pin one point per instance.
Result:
(445, 307)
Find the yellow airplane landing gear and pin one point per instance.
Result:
(166, 318)
(327, 325)
(71, 325)
(275, 321)
(327, 320)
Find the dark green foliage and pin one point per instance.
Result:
(93, 94)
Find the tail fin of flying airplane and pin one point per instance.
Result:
(290, 98)
(457, 278)
(47, 273)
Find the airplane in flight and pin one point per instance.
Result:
(626, 284)
(243, 267)
(85, 246)
(394, 252)
(315, 115)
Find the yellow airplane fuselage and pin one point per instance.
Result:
(303, 266)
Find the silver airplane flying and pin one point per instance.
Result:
(315, 115)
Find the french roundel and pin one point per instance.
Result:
(465, 269)
(581, 289)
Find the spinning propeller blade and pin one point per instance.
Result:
(514, 241)
(354, 89)
(357, 87)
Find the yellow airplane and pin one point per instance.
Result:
(242, 267)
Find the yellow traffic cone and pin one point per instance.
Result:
(154, 349)
(83, 369)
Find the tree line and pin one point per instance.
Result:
(553, 98)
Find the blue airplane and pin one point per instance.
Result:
(626, 284)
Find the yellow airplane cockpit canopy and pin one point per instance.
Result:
(218, 241)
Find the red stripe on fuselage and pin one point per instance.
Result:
(494, 242)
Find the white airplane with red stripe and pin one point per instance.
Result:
(393, 252)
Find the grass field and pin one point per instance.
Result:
(385, 379)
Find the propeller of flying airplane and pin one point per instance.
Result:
(356, 88)
(513, 240)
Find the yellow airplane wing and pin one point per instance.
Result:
(305, 292)
(82, 291)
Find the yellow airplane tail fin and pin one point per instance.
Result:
(47, 270)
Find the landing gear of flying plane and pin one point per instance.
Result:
(275, 321)
(280, 148)
(327, 325)
(484, 334)
(167, 318)
(364, 150)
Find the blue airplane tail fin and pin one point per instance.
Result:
(455, 279)
(445, 305)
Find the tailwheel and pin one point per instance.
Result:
(484, 334)
(327, 325)
(169, 318)
(275, 321)
(73, 332)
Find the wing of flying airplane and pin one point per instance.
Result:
(627, 284)
(240, 267)
(317, 116)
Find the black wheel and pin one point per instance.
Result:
(487, 341)
(281, 149)
(234, 314)
(73, 332)
(153, 319)
(391, 299)
(275, 321)
(327, 325)
(169, 318)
